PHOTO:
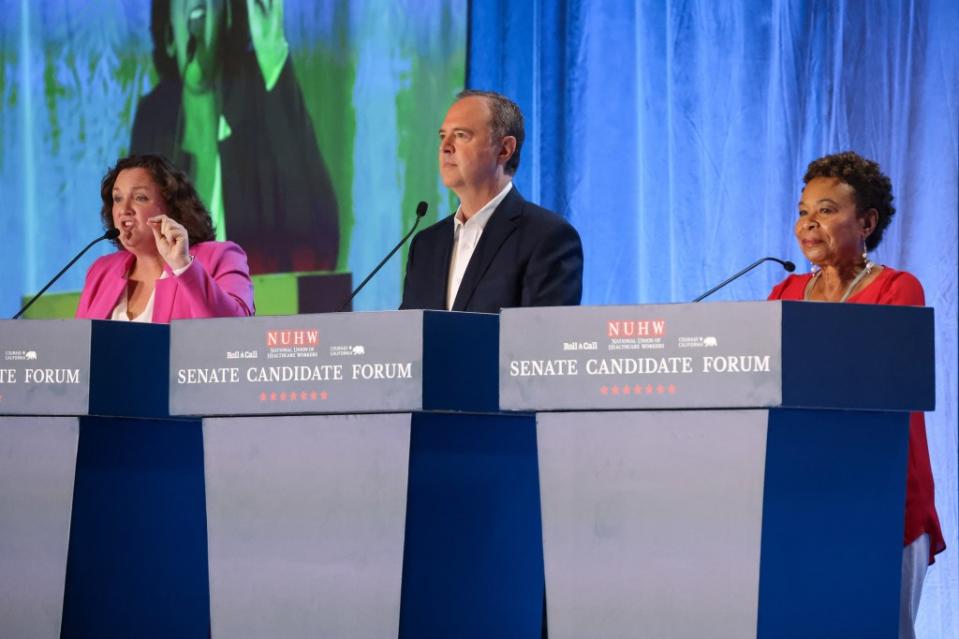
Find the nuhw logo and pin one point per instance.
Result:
(636, 328)
(292, 337)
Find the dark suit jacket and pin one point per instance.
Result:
(277, 194)
(526, 256)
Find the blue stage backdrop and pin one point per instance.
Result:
(675, 135)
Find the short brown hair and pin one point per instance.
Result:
(505, 119)
(181, 199)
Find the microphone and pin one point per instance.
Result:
(111, 234)
(420, 212)
(786, 264)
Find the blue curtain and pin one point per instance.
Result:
(675, 134)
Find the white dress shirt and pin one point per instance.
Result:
(466, 235)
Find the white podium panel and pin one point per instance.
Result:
(37, 465)
(652, 522)
(305, 521)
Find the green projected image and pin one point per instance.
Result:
(309, 129)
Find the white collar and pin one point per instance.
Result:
(481, 217)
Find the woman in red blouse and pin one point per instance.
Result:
(845, 207)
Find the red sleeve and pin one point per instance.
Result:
(777, 293)
(903, 290)
(791, 288)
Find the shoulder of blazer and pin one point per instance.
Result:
(212, 250)
(525, 213)
(438, 228)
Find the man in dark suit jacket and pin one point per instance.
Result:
(498, 250)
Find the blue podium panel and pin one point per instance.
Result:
(306, 524)
(138, 556)
(722, 523)
(835, 493)
(37, 465)
(473, 564)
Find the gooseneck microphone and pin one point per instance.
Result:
(112, 234)
(786, 264)
(420, 212)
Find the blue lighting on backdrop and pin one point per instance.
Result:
(675, 136)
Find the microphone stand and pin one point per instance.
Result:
(789, 266)
(420, 212)
(109, 235)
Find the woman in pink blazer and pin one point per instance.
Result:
(168, 266)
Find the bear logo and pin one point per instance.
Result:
(710, 341)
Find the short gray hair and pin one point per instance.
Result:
(505, 119)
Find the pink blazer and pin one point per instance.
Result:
(216, 284)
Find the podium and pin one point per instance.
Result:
(359, 481)
(703, 470)
(721, 470)
(327, 475)
(102, 524)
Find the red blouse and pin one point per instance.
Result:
(901, 289)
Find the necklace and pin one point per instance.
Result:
(849, 289)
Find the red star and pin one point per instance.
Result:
(660, 389)
(649, 389)
(313, 395)
(293, 396)
(282, 397)
(615, 390)
(627, 390)
(303, 396)
(272, 397)
(672, 389)
(604, 390)
(637, 389)
(262, 397)
(324, 395)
